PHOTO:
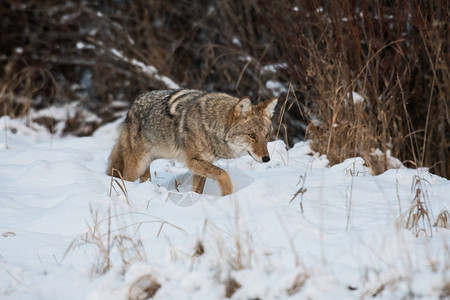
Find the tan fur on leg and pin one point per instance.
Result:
(207, 169)
(146, 176)
(198, 183)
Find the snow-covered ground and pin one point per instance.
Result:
(67, 231)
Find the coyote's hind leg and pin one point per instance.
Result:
(137, 165)
(146, 176)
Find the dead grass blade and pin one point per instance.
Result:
(301, 191)
(443, 219)
(121, 185)
(418, 218)
(298, 284)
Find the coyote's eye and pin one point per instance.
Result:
(267, 136)
(252, 137)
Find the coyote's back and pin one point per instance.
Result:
(195, 127)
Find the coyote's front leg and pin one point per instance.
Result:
(198, 183)
(206, 169)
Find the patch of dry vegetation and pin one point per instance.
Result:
(107, 240)
(419, 216)
(145, 287)
(394, 54)
(443, 219)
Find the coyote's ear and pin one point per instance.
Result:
(268, 107)
(243, 108)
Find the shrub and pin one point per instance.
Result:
(394, 54)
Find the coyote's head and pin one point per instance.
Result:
(250, 127)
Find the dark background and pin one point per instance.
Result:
(312, 54)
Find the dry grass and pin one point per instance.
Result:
(106, 240)
(236, 251)
(297, 284)
(117, 235)
(301, 191)
(231, 286)
(145, 287)
(445, 293)
(199, 249)
(242, 255)
(419, 217)
(391, 54)
(443, 219)
(120, 184)
(394, 54)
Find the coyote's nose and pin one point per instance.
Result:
(265, 158)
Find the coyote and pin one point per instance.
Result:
(194, 127)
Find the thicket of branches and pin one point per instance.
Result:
(395, 54)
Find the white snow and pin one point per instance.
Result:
(81, 46)
(273, 68)
(276, 87)
(236, 41)
(149, 70)
(65, 233)
(357, 98)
